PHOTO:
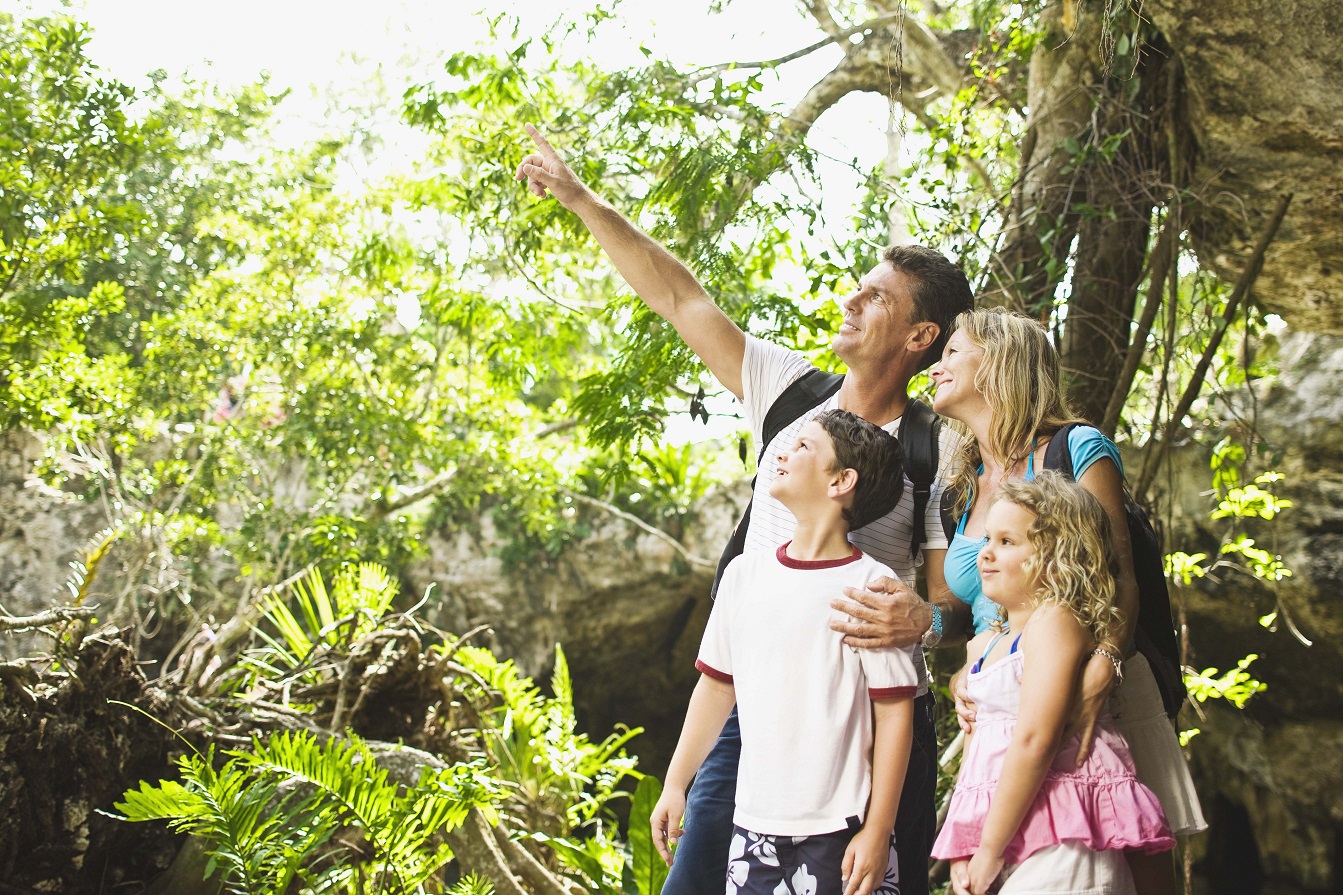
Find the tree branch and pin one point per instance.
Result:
(839, 37)
(385, 508)
(1241, 290)
(556, 427)
(644, 526)
(13, 623)
(820, 11)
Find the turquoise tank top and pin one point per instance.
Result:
(961, 565)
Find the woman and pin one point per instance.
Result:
(999, 376)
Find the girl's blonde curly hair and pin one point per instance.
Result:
(1074, 560)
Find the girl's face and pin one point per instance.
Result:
(1003, 557)
(954, 376)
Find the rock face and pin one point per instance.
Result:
(1271, 776)
(1266, 107)
(41, 532)
(625, 606)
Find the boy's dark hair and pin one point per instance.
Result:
(875, 455)
(940, 293)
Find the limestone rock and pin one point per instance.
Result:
(1266, 107)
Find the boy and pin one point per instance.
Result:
(825, 729)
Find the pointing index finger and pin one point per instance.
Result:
(541, 142)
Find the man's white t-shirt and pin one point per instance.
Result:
(767, 369)
(803, 697)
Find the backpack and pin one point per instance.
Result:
(920, 429)
(1155, 630)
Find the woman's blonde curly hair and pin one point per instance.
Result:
(1019, 379)
(1074, 561)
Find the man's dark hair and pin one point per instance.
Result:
(875, 455)
(941, 291)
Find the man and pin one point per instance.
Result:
(894, 326)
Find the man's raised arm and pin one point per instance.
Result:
(665, 284)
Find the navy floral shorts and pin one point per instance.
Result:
(795, 865)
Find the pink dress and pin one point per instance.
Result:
(1100, 805)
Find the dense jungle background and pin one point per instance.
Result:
(356, 522)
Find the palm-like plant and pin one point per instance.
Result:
(269, 813)
(331, 619)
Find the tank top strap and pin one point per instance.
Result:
(1014, 644)
(992, 643)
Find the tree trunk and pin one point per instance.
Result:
(1125, 176)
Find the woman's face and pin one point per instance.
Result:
(954, 376)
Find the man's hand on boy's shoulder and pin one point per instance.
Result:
(888, 613)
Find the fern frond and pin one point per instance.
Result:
(471, 884)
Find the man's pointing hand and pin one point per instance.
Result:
(544, 170)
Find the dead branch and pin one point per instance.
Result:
(1160, 266)
(474, 846)
(837, 37)
(55, 616)
(1157, 452)
(644, 526)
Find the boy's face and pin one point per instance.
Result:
(807, 471)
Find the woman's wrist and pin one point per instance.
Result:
(1114, 657)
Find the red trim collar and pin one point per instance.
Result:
(788, 562)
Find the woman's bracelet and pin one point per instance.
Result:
(1115, 660)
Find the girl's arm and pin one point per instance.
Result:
(710, 705)
(864, 865)
(1103, 479)
(1054, 646)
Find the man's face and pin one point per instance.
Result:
(876, 319)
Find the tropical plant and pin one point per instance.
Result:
(335, 619)
(563, 780)
(268, 815)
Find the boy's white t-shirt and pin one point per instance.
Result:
(803, 697)
(767, 369)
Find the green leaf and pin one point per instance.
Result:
(650, 871)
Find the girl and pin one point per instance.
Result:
(1023, 809)
(999, 376)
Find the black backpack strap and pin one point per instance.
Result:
(812, 388)
(920, 429)
(950, 497)
(1057, 454)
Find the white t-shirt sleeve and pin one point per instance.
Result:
(715, 650)
(766, 370)
(893, 672)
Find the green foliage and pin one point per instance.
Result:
(360, 597)
(1236, 686)
(269, 813)
(1236, 503)
(649, 870)
(561, 777)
